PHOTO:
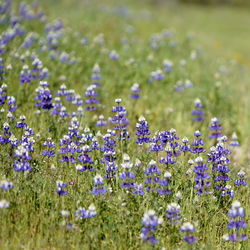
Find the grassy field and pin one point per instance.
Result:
(207, 46)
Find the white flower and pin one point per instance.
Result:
(65, 213)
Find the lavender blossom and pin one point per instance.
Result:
(188, 229)
(197, 112)
(98, 189)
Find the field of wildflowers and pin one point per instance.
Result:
(123, 126)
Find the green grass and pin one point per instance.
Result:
(33, 220)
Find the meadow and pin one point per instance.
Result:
(124, 125)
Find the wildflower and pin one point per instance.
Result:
(150, 222)
(135, 91)
(101, 122)
(138, 189)
(201, 176)
(236, 223)
(188, 229)
(4, 204)
(25, 75)
(6, 185)
(83, 213)
(234, 142)
(120, 121)
(65, 213)
(167, 64)
(197, 112)
(98, 189)
(127, 175)
(215, 126)
(44, 96)
(60, 188)
(113, 55)
(173, 214)
(50, 145)
(198, 143)
(91, 100)
(241, 180)
(96, 77)
(142, 131)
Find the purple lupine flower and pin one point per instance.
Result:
(142, 131)
(83, 213)
(154, 183)
(127, 176)
(185, 148)
(25, 75)
(150, 222)
(155, 145)
(84, 159)
(108, 150)
(198, 143)
(2, 71)
(49, 144)
(234, 142)
(138, 189)
(3, 95)
(78, 101)
(6, 185)
(135, 91)
(60, 188)
(62, 91)
(44, 97)
(113, 55)
(96, 76)
(22, 153)
(188, 229)
(202, 185)
(22, 123)
(218, 156)
(241, 181)
(11, 100)
(188, 84)
(37, 68)
(173, 214)
(44, 74)
(168, 159)
(215, 126)
(58, 109)
(120, 121)
(91, 100)
(236, 223)
(167, 64)
(179, 86)
(156, 76)
(197, 112)
(98, 188)
(101, 122)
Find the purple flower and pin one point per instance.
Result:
(236, 223)
(135, 91)
(91, 100)
(173, 214)
(234, 142)
(150, 222)
(241, 180)
(98, 189)
(197, 112)
(215, 126)
(60, 188)
(188, 229)
(142, 131)
(83, 213)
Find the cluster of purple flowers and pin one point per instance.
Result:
(202, 177)
(60, 188)
(83, 213)
(188, 229)
(135, 91)
(216, 127)
(98, 188)
(120, 121)
(6, 185)
(91, 100)
(96, 76)
(49, 144)
(127, 176)
(142, 131)
(173, 214)
(236, 223)
(150, 222)
(197, 112)
(44, 96)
